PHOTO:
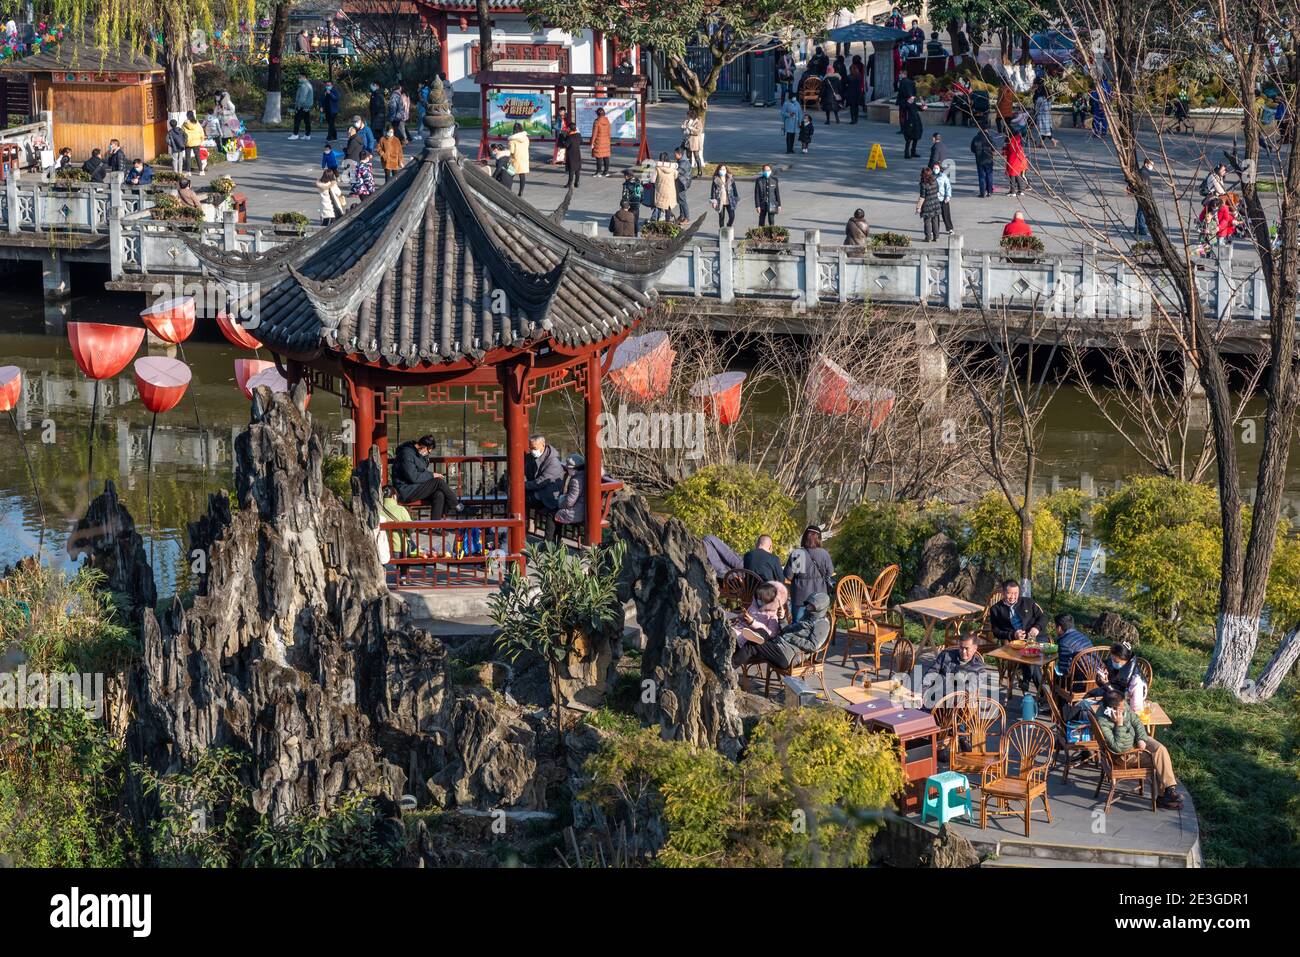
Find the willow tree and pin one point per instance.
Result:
(274, 62)
(165, 27)
(693, 41)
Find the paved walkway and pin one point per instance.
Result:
(820, 190)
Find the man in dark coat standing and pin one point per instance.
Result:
(416, 482)
(906, 90)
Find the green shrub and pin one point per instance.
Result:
(1022, 244)
(735, 503)
(767, 234)
(336, 472)
(888, 240)
(72, 174)
(809, 790)
(1163, 544)
(291, 221)
(352, 834)
(876, 534)
(660, 229)
(995, 536)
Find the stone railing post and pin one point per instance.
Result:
(955, 274)
(590, 228)
(1223, 283)
(115, 269)
(11, 202)
(1087, 304)
(811, 274)
(726, 281)
(115, 190)
(229, 242)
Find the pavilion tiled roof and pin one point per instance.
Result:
(78, 56)
(443, 263)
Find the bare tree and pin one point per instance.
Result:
(1249, 46)
(393, 35)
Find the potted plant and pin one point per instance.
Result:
(1022, 249)
(66, 180)
(767, 235)
(887, 245)
(166, 177)
(290, 223)
(168, 208)
(221, 188)
(660, 229)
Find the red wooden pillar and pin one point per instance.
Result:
(363, 418)
(595, 470)
(597, 51)
(380, 430)
(512, 378)
(441, 26)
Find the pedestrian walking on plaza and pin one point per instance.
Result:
(390, 154)
(683, 183)
(367, 135)
(600, 142)
(193, 131)
(938, 152)
(724, 196)
(906, 92)
(791, 115)
(352, 151)
(623, 222)
(518, 144)
(856, 230)
(806, 127)
(767, 196)
(1145, 173)
(693, 140)
(632, 194)
(945, 195)
(363, 177)
(176, 145)
(378, 108)
(332, 202)
(399, 111)
(573, 157)
(855, 88)
(303, 101)
(665, 188)
(1017, 164)
(1043, 114)
(927, 205)
(831, 98)
(1006, 106)
(329, 105)
(982, 146)
(912, 128)
(785, 72)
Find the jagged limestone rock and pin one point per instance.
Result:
(950, 849)
(688, 645)
(106, 536)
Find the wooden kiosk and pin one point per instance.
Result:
(96, 95)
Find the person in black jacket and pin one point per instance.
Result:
(767, 197)
(543, 480)
(796, 641)
(416, 482)
(763, 562)
(573, 157)
(115, 162)
(378, 108)
(912, 127)
(1018, 617)
(906, 91)
(94, 166)
(985, 154)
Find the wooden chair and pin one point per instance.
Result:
(868, 623)
(810, 93)
(975, 718)
(1143, 668)
(1082, 676)
(737, 589)
(814, 664)
(1085, 750)
(902, 658)
(1114, 769)
(883, 587)
(1020, 773)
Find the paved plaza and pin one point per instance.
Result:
(819, 190)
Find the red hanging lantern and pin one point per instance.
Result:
(171, 320)
(721, 396)
(103, 350)
(11, 387)
(835, 392)
(235, 333)
(643, 367)
(246, 369)
(161, 382)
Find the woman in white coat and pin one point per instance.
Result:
(518, 144)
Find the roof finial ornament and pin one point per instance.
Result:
(438, 121)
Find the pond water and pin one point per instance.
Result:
(192, 454)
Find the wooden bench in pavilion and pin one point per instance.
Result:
(446, 289)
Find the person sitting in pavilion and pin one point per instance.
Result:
(571, 506)
(543, 481)
(1018, 226)
(1123, 733)
(416, 482)
(763, 562)
(795, 642)
(1018, 617)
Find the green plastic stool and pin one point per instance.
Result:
(940, 807)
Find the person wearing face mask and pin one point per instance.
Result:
(543, 480)
(329, 105)
(390, 152)
(767, 197)
(415, 481)
(378, 108)
(724, 196)
(1130, 746)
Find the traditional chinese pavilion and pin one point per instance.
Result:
(445, 288)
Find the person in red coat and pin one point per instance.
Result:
(1017, 226)
(600, 142)
(1017, 164)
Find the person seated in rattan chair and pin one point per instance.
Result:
(795, 642)
(1130, 745)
